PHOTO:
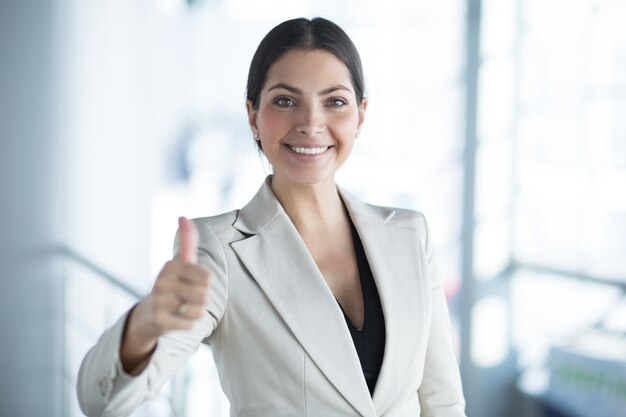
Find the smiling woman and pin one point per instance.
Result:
(307, 117)
(314, 302)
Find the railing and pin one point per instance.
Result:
(74, 256)
(612, 281)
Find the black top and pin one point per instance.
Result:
(369, 341)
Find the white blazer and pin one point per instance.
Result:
(279, 337)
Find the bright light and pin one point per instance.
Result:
(490, 332)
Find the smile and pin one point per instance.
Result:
(309, 151)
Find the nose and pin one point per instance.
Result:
(311, 121)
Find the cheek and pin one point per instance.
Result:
(271, 123)
(344, 126)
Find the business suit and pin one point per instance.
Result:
(278, 335)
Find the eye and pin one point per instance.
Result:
(336, 102)
(284, 102)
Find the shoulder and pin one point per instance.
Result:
(412, 219)
(217, 224)
(392, 216)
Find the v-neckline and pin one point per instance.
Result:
(358, 250)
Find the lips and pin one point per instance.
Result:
(308, 151)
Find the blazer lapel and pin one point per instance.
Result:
(392, 252)
(277, 258)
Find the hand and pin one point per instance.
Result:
(180, 291)
(176, 301)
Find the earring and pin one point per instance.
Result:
(356, 134)
(256, 136)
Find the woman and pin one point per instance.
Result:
(314, 302)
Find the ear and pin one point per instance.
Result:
(252, 113)
(362, 109)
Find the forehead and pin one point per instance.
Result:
(302, 68)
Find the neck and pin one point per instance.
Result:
(311, 208)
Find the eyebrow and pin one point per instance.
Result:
(298, 91)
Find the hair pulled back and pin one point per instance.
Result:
(302, 33)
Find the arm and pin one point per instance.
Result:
(441, 393)
(105, 384)
(105, 389)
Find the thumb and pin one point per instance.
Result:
(188, 235)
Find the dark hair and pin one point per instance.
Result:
(318, 33)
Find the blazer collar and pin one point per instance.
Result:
(259, 211)
(294, 285)
(264, 207)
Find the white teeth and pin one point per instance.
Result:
(309, 151)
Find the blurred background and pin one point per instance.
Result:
(504, 121)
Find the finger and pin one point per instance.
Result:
(194, 274)
(169, 307)
(191, 293)
(178, 270)
(190, 311)
(188, 235)
(172, 321)
(167, 301)
(170, 297)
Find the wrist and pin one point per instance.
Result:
(137, 344)
(138, 327)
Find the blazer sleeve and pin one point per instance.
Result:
(441, 393)
(105, 390)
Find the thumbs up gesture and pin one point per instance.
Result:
(188, 241)
(175, 302)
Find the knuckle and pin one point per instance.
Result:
(168, 266)
(158, 288)
(197, 313)
(200, 302)
(159, 300)
(199, 296)
(162, 283)
(201, 272)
